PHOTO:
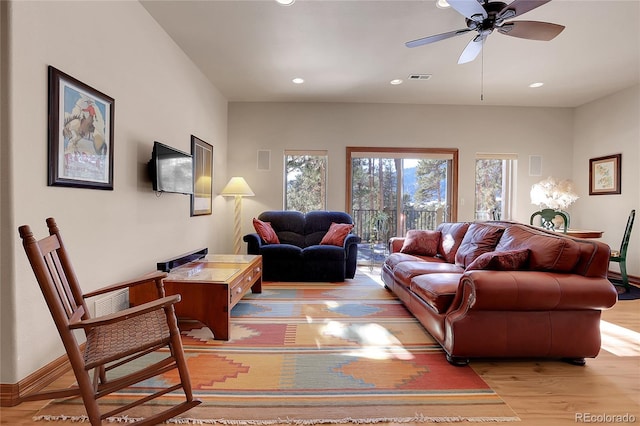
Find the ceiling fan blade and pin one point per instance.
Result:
(520, 6)
(434, 38)
(471, 51)
(532, 30)
(469, 9)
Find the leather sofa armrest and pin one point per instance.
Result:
(395, 244)
(532, 291)
(254, 243)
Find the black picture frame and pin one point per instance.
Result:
(201, 199)
(605, 175)
(81, 123)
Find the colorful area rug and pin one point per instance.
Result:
(312, 353)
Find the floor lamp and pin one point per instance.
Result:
(238, 188)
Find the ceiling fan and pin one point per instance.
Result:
(484, 17)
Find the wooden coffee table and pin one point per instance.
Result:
(209, 288)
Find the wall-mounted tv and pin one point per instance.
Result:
(171, 170)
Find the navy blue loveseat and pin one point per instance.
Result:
(299, 255)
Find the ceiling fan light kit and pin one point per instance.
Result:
(484, 17)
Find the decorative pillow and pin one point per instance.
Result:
(421, 242)
(452, 235)
(480, 238)
(546, 252)
(265, 231)
(500, 260)
(336, 234)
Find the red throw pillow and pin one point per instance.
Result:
(421, 242)
(500, 260)
(336, 234)
(450, 239)
(480, 238)
(265, 231)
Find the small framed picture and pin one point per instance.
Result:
(604, 175)
(80, 134)
(201, 198)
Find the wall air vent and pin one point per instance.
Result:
(419, 76)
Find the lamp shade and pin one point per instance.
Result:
(237, 186)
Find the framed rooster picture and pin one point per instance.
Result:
(80, 134)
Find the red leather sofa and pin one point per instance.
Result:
(503, 290)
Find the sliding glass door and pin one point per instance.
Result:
(392, 190)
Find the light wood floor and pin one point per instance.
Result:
(539, 392)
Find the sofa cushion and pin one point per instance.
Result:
(547, 252)
(336, 234)
(500, 260)
(436, 290)
(289, 226)
(317, 223)
(405, 271)
(421, 242)
(327, 251)
(395, 258)
(288, 251)
(265, 231)
(450, 239)
(480, 238)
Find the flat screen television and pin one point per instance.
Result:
(171, 170)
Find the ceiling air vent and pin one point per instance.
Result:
(419, 76)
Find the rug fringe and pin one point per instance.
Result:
(84, 419)
(418, 418)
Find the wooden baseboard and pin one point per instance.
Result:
(632, 278)
(11, 394)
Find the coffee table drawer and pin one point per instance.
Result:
(243, 284)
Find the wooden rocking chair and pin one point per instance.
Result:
(111, 340)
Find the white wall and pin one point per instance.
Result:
(547, 132)
(117, 48)
(610, 125)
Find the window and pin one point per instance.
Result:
(392, 190)
(305, 180)
(495, 186)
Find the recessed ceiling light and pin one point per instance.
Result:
(534, 85)
(298, 80)
(396, 81)
(286, 2)
(442, 4)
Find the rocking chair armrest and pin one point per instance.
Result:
(127, 313)
(156, 276)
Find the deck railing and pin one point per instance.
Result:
(379, 226)
(375, 227)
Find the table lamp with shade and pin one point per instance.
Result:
(237, 187)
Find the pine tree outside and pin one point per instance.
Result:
(305, 180)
